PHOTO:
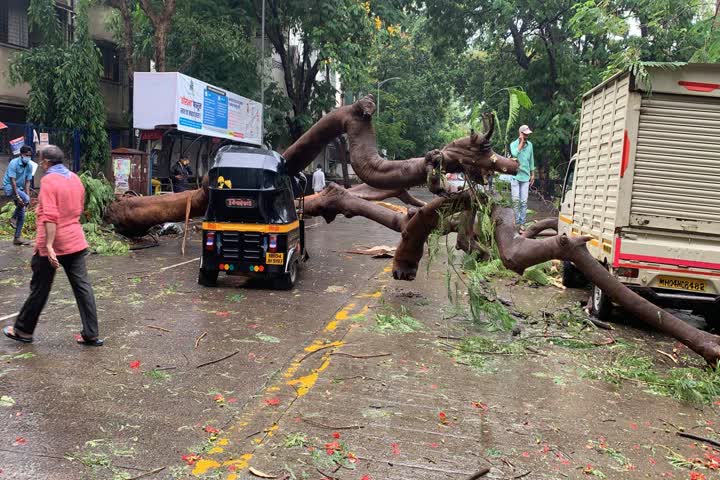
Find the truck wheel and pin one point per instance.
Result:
(207, 278)
(712, 319)
(287, 280)
(601, 305)
(572, 277)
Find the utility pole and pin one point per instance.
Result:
(262, 75)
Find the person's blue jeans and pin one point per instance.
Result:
(19, 214)
(519, 193)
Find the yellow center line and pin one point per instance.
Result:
(301, 385)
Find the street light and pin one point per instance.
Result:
(380, 84)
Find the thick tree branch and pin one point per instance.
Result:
(335, 200)
(471, 155)
(518, 253)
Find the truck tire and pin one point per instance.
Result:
(600, 304)
(572, 277)
(287, 280)
(712, 319)
(207, 278)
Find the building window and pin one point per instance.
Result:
(14, 23)
(110, 61)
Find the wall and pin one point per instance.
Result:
(12, 95)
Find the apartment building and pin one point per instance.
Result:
(15, 36)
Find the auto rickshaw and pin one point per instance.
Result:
(252, 227)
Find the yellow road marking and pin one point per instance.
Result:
(302, 385)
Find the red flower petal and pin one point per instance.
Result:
(395, 448)
(336, 435)
(20, 441)
(272, 401)
(135, 364)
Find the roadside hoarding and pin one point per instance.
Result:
(174, 100)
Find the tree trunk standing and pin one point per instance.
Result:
(127, 35)
(161, 22)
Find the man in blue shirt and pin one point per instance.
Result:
(522, 149)
(16, 185)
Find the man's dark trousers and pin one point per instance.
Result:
(41, 283)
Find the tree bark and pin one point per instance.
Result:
(161, 22)
(134, 216)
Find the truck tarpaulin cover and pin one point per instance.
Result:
(171, 98)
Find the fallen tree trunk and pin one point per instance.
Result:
(384, 179)
(133, 216)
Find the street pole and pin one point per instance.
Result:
(380, 84)
(262, 75)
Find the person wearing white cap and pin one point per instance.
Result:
(522, 149)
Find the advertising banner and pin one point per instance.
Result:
(16, 144)
(171, 99)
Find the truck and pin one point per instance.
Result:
(645, 186)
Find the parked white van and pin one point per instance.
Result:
(645, 184)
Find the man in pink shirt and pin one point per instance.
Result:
(60, 241)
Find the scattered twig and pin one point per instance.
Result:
(147, 474)
(158, 328)
(111, 372)
(197, 340)
(667, 355)
(535, 351)
(187, 220)
(479, 474)
(330, 345)
(361, 356)
(328, 427)
(218, 360)
(522, 475)
(600, 323)
(161, 369)
(679, 429)
(253, 434)
(447, 337)
(326, 475)
(692, 436)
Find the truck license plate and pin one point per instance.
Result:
(678, 283)
(275, 258)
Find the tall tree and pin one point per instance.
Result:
(557, 50)
(307, 37)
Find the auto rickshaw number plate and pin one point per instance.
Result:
(275, 258)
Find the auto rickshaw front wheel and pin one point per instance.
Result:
(287, 280)
(207, 278)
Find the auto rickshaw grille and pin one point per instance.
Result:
(242, 246)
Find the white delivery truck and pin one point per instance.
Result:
(645, 185)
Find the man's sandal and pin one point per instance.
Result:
(16, 337)
(90, 343)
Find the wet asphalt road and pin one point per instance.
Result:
(79, 412)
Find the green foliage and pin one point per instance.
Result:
(474, 351)
(99, 193)
(297, 439)
(6, 212)
(65, 81)
(693, 385)
(557, 50)
(539, 274)
(396, 321)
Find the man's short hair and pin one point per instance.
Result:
(52, 154)
(318, 166)
(25, 149)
